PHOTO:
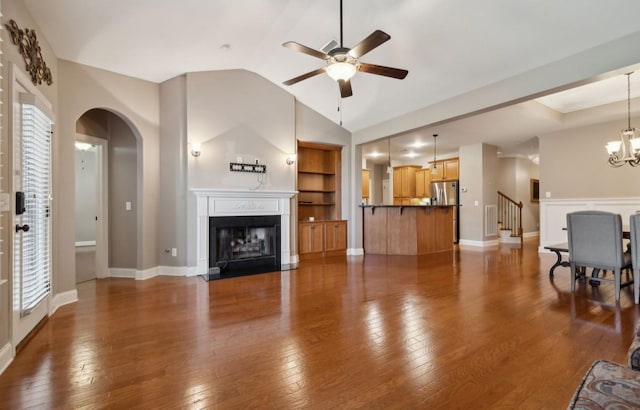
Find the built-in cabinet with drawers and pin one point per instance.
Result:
(321, 232)
(404, 184)
(446, 170)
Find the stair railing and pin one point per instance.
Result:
(510, 215)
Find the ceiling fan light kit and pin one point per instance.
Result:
(342, 62)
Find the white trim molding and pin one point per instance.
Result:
(479, 244)
(85, 243)
(355, 251)
(147, 273)
(6, 357)
(532, 234)
(553, 214)
(122, 273)
(61, 299)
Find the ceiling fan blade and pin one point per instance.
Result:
(345, 88)
(306, 50)
(382, 70)
(374, 40)
(305, 76)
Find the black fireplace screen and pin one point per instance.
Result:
(244, 244)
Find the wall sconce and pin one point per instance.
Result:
(196, 149)
(291, 159)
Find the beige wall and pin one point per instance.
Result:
(573, 164)
(479, 175)
(471, 179)
(136, 102)
(123, 188)
(174, 155)
(235, 114)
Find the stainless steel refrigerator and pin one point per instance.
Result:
(448, 193)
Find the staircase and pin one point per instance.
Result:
(510, 216)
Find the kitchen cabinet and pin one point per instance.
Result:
(446, 170)
(423, 183)
(413, 230)
(404, 182)
(365, 184)
(321, 238)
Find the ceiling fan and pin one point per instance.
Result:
(342, 62)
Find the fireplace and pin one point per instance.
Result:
(224, 210)
(244, 245)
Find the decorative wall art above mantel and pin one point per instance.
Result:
(29, 48)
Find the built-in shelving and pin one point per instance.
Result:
(318, 181)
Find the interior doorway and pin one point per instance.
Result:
(91, 193)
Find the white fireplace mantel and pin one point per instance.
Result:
(240, 202)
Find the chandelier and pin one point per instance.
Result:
(627, 149)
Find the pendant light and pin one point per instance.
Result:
(434, 169)
(389, 167)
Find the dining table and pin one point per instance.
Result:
(562, 248)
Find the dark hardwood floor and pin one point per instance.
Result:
(463, 329)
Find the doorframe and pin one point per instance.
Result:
(102, 202)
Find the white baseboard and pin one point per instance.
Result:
(175, 271)
(294, 259)
(355, 251)
(6, 357)
(64, 298)
(530, 234)
(147, 273)
(86, 243)
(478, 244)
(122, 273)
(190, 270)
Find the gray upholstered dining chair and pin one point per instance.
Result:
(595, 241)
(635, 254)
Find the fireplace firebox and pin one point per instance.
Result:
(244, 245)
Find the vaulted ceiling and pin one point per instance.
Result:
(449, 47)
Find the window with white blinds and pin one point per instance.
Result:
(34, 246)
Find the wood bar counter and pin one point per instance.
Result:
(407, 229)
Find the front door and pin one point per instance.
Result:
(32, 187)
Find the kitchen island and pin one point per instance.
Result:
(407, 229)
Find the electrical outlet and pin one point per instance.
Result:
(174, 251)
(127, 205)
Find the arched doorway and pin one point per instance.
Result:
(114, 201)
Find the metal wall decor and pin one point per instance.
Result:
(30, 49)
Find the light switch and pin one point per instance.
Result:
(547, 194)
(127, 205)
(476, 203)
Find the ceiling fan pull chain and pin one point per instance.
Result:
(341, 43)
